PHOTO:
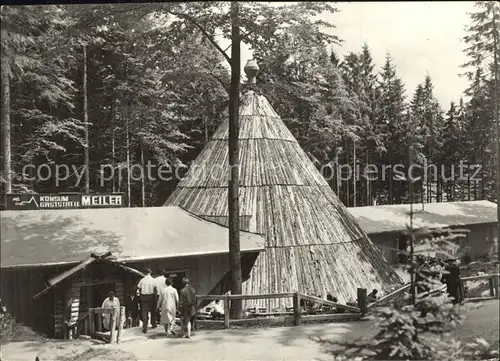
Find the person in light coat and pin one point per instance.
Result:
(168, 299)
(110, 302)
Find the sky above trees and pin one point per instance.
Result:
(421, 37)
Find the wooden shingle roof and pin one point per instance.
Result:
(55, 237)
(395, 217)
(313, 244)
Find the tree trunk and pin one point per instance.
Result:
(338, 178)
(86, 149)
(496, 117)
(6, 132)
(411, 235)
(122, 112)
(468, 181)
(233, 193)
(390, 182)
(143, 177)
(368, 196)
(127, 145)
(113, 145)
(354, 173)
(347, 188)
(453, 185)
(206, 130)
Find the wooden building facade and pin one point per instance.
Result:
(386, 226)
(53, 275)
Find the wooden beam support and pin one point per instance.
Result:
(480, 277)
(461, 289)
(296, 309)
(113, 325)
(121, 322)
(329, 303)
(245, 297)
(98, 317)
(477, 299)
(389, 296)
(492, 287)
(363, 300)
(91, 323)
(226, 311)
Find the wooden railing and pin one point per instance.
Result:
(493, 287)
(389, 297)
(78, 328)
(93, 324)
(295, 316)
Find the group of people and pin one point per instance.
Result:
(159, 301)
(156, 301)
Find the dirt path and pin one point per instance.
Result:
(280, 343)
(263, 344)
(483, 323)
(269, 344)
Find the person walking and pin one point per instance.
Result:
(160, 284)
(147, 289)
(132, 308)
(168, 299)
(187, 307)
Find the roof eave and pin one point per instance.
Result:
(129, 259)
(431, 228)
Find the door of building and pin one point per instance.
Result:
(94, 295)
(177, 277)
(402, 246)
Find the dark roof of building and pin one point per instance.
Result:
(53, 237)
(394, 218)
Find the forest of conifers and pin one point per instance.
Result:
(138, 83)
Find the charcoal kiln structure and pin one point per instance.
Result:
(313, 244)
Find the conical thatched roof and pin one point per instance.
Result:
(313, 244)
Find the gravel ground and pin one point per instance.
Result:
(481, 322)
(263, 344)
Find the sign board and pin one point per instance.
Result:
(18, 202)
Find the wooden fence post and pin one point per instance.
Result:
(461, 289)
(91, 323)
(363, 300)
(296, 309)
(494, 280)
(121, 322)
(226, 312)
(112, 325)
(492, 287)
(98, 317)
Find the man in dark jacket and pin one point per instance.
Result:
(132, 308)
(187, 300)
(452, 281)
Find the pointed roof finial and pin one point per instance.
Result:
(251, 69)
